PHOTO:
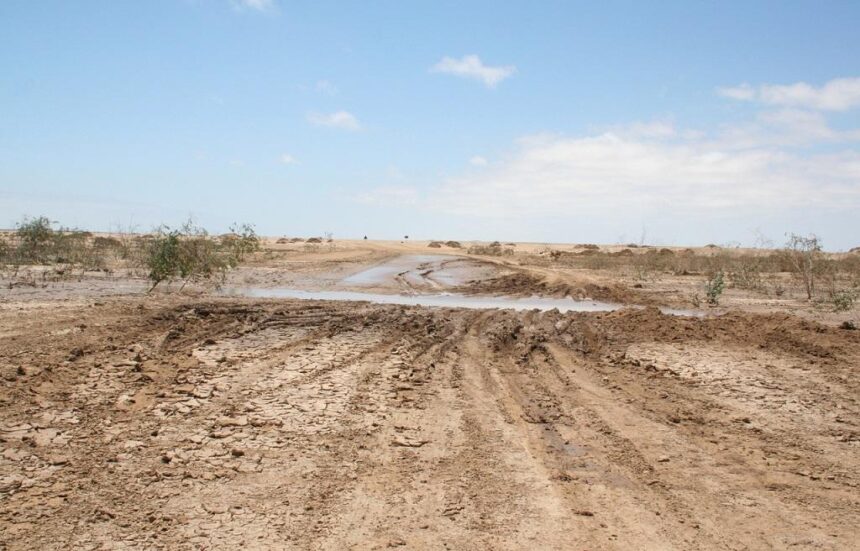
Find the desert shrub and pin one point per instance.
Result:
(435, 245)
(805, 257)
(453, 244)
(239, 243)
(34, 237)
(189, 253)
(844, 300)
(493, 249)
(314, 240)
(36, 242)
(106, 243)
(746, 274)
(163, 258)
(776, 286)
(75, 250)
(714, 288)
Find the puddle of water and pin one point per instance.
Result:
(446, 300)
(388, 271)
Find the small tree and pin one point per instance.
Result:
(806, 260)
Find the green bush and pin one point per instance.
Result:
(714, 288)
(35, 236)
(189, 253)
(844, 300)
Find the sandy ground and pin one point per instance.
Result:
(196, 421)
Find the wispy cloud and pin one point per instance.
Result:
(258, 5)
(477, 160)
(796, 128)
(471, 66)
(287, 159)
(839, 94)
(326, 87)
(339, 119)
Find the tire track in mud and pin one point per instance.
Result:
(547, 416)
(687, 429)
(300, 425)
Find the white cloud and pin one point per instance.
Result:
(287, 159)
(326, 87)
(258, 5)
(340, 119)
(470, 66)
(743, 92)
(838, 94)
(627, 176)
(795, 128)
(477, 160)
(572, 176)
(651, 129)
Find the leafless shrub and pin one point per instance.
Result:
(806, 259)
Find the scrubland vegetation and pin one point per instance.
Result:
(493, 249)
(40, 251)
(800, 268)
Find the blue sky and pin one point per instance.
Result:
(688, 122)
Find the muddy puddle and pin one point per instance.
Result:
(446, 300)
(420, 271)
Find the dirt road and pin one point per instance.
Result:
(181, 423)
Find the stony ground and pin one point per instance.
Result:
(207, 423)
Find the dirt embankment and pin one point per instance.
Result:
(523, 283)
(223, 424)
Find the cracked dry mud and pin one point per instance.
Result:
(178, 423)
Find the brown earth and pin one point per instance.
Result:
(198, 422)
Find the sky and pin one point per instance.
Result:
(552, 121)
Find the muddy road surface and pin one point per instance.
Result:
(218, 423)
